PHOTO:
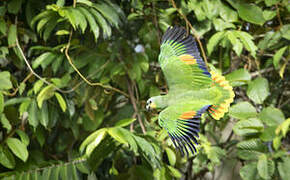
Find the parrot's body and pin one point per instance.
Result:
(192, 90)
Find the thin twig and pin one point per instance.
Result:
(256, 73)
(16, 90)
(133, 101)
(194, 32)
(82, 76)
(278, 15)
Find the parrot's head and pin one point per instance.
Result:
(151, 104)
(156, 102)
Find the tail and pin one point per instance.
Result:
(221, 107)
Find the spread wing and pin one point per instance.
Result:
(181, 62)
(182, 122)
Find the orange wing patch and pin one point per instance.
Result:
(187, 115)
(188, 59)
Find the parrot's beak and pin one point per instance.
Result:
(150, 106)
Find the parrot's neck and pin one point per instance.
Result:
(161, 101)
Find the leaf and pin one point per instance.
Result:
(44, 119)
(18, 148)
(45, 93)
(278, 55)
(249, 12)
(283, 168)
(285, 30)
(248, 127)
(107, 31)
(228, 14)
(93, 25)
(14, 6)
(284, 127)
(5, 82)
(214, 40)
(268, 15)
(43, 60)
(171, 156)
(265, 167)
(236, 43)
(37, 86)
(258, 90)
(271, 2)
(221, 25)
(24, 138)
(12, 35)
(125, 122)
(5, 123)
(272, 116)
(268, 133)
(93, 141)
(33, 114)
(6, 158)
(238, 77)
(247, 41)
(249, 171)
(174, 172)
(242, 110)
(123, 136)
(3, 26)
(282, 70)
(61, 101)
(1, 102)
(108, 12)
(62, 32)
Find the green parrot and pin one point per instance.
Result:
(193, 90)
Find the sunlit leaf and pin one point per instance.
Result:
(242, 110)
(18, 148)
(258, 90)
(61, 101)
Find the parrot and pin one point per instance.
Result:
(192, 90)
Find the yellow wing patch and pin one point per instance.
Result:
(218, 111)
(188, 59)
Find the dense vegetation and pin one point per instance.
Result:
(75, 77)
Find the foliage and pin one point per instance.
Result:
(56, 123)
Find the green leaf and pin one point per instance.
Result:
(5, 82)
(62, 32)
(268, 15)
(91, 142)
(107, 31)
(6, 158)
(171, 156)
(24, 138)
(249, 171)
(251, 149)
(248, 127)
(5, 123)
(1, 102)
(61, 101)
(278, 55)
(14, 6)
(45, 93)
(236, 43)
(272, 116)
(283, 168)
(123, 136)
(44, 60)
(247, 41)
(46, 173)
(33, 114)
(12, 35)
(271, 2)
(242, 110)
(238, 77)
(228, 14)
(44, 119)
(18, 148)
(268, 134)
(221, 25)
(284, 127)
(108, 12)
(37, 86)
(214, 40)
(258, 90)
(174, 172)
(93, 25)
(125, 122)
(265, 167)
(3, 26)
(249, 12)
(285, 30)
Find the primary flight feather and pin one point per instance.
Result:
(193, 90)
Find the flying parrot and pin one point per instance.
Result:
(193, 90)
